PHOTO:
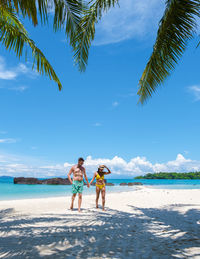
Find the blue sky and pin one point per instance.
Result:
(96, 115)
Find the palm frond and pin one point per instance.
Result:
(14, 37)
(86, 31)
(68, 14)
(177, 26)
(29, 8)
(83, 39)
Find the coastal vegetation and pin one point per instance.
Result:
(164, 175)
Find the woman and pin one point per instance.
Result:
(100, 184)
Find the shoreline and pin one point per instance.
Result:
(63, 192)
(68, 195)
(110, 190)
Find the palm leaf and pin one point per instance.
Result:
(177, 26)
(29, 8)
(68, 15)
(14, 37)
(86, 31)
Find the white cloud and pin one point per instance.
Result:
(19, 88)
(131, 93)
(115, 104)
(97, 124)
(34, 147)
(8, 140)
(13, 73)
(22, 69)
(140, 165)
(3, 132)
(133, 19)
(15, 88)
(57, 167)
(21, 166)
(195, 90)
(5, 73)
(14, 165)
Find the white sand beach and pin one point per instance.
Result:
(147, 223)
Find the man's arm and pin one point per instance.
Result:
(69, 174)
(88, 185)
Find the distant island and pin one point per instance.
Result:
(31, 180)
(163, 175)
(50, 181)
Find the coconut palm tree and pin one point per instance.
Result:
(177, 26)
(13, 35)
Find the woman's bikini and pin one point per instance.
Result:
(98, 177)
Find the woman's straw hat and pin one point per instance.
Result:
(101, 167)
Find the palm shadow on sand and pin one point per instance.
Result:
(142, 233)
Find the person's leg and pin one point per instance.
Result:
(79, 201)
(103, 196)
(72, 203)
(97, 196)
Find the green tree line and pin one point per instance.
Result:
(173, 175)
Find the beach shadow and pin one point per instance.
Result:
(5, 212)
(140, 233)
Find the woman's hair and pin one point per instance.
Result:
(101, 172)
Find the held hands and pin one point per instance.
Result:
(88, 185)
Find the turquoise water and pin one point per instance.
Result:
(9, 191)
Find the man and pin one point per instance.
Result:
(78, 172)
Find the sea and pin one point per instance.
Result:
(11, 191)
